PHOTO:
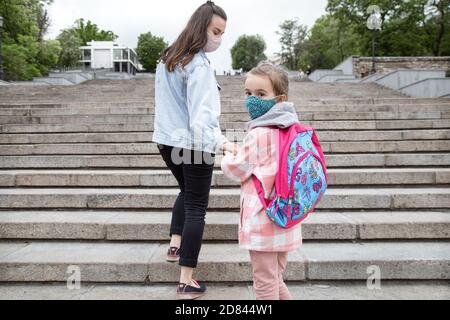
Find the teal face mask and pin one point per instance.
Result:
(257, 107)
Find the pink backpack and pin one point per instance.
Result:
(301, 179)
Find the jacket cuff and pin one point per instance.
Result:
(221, 141)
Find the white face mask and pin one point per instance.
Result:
(213, 43)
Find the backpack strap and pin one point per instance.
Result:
(321, 154)
(260, 191)
(285, 136)
(258, 185)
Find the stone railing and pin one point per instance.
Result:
(362, 66)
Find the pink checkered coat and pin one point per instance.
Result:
(258, 156)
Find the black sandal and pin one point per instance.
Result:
(188, 292)
(173, 254)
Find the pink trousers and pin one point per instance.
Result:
(268, 269)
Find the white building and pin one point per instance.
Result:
(110, 56)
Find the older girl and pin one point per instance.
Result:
(188, 134)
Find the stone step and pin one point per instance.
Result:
(45, 100)
(376, 108)
(149, 126)
(130, 137)
(104, 108)
(152, 149)
(338, 116)
(157, 178)
(357, 91)
(223, 199)
(233, 117)
(147, 115)
(155, 162)
(139, 262)
(230, 100)
(360, 125)
(220, 226)
(310, 290)
(316, 94)
(227, 99)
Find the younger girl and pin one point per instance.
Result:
(266, 88)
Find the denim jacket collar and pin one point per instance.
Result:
(203, 54)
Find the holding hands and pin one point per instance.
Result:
(231, 148)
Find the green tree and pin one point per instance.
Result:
(88, 31)
(21, 18)
(16, 65)
(292, 36)
(414, 27)
(25, 23)
(410, 28)
(43, 23)
(247, 52)
(48, 55)
(70, 43)
(27, 51)
(328, 44)
(437, 27)
(149, 50)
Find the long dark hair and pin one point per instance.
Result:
(193, 38)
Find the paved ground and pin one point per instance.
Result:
(301, 291)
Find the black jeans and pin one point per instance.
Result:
(193, 171)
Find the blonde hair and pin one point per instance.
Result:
(277, 75)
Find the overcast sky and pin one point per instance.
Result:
(129, 18)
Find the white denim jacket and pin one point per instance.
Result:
(187, 107)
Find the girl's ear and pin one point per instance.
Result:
(282, 98)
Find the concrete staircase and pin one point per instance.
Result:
(417, 77)
(415, 83)
(75, 77)
(82, 185)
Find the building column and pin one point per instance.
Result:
(112, 58)
(92, 58)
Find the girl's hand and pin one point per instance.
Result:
(231, 148)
